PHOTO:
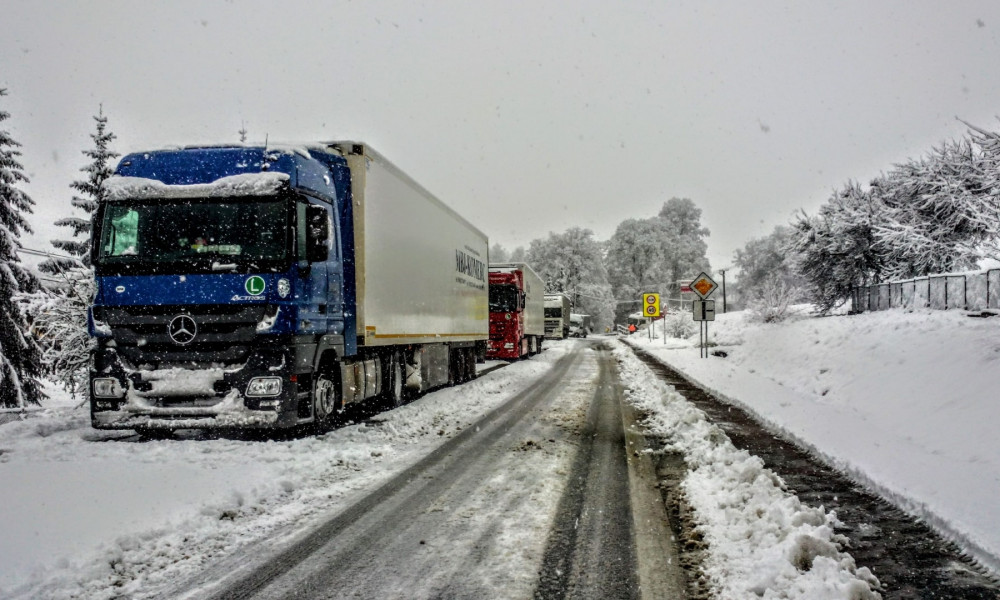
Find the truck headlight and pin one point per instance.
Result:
(107, 387)
(284, 287)
(264, 386)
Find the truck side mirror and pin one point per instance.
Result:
(317, 233)
(95, 239)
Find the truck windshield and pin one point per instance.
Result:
(503, 298)
(194, 235)
(553, 313)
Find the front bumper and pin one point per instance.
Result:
(196, 398)
(497, 349)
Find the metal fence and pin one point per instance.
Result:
(970, 291)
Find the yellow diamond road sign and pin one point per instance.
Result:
(703, 285)
(651, 305)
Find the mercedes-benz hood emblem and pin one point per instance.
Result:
(182, 329)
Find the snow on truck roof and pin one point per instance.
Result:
(300, 148)
(247, 184)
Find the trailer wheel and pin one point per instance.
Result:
(461, 365)
(456, 366)
(325, 397)
(470, 364)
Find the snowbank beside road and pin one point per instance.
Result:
(906, 402)
(762, 542)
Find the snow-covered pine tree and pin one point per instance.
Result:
(91, 193)
(20, 357)
(60, 313)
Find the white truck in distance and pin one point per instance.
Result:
(557, 308)
(580, 325)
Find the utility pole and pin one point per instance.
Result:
(723, 271)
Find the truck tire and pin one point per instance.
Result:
(470, 363)
(394, 394)
(461, 365)
(325, 397)
(456, 366)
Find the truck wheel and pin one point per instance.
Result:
(394, 394)
(325, 397)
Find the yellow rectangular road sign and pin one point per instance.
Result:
(650, 305)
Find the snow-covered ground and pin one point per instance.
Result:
(905, 402)
(92, 514)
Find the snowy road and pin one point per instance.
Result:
(514, 485)
(473, 518)
(523, 483)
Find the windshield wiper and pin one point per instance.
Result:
(217, 266)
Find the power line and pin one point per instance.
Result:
(45, 253)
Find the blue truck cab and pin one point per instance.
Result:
(223, 275)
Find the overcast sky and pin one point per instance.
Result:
(526, 117)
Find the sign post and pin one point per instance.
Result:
(703, 311)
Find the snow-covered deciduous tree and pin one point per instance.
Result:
(498, 254)
(20, 357)
(835, 250)
(941, 211)
(938, 214)
(572, 262)
(771, 300)
(686, 246)
(59, 321)
(635, 256)
(635, 261)
(91, 194)
(763, 259)
(651, 255)
(678, 324)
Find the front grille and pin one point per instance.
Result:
(224, 332)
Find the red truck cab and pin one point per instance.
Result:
(517, 312)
